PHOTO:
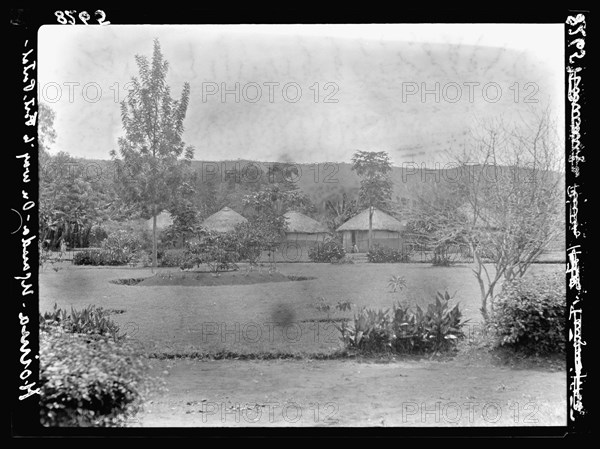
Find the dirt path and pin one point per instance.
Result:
(352, 393)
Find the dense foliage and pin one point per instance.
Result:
(383, 254)
(89, 374)
(376, 187)
(123, 245)
(529, 314)
(73, 197)
(119, 248)
(96, 257)
(331, 251)
(402, 331)
(172, 258)
(220, 251)
(253, 238)
(92, 321)
(97, 235)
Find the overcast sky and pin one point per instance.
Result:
(369, 80)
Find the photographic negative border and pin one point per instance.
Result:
(22, 200)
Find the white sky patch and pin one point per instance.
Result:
(369, 68)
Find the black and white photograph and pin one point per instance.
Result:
(300, 225)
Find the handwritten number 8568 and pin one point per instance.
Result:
(61, 17)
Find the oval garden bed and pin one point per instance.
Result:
(204, 279)
(127, 281)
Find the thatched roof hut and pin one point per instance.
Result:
(302, 224)
(380, 222)
(301, 228)
(387, 231)
(223, 221)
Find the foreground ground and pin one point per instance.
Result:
(353, 393)
(472, 388)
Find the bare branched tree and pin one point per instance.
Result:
(506, 204)
(437, 223)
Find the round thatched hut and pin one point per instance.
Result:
(303, 229)
(387, 231)
(223, 221)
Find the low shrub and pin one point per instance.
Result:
(90, 375)
(329, 252)
(119, 248)
(529, 314)
(371, 331)
(252, 239)
(397, 283)
(291, 277)
(127, 281)
(437, 329)
(442, 260)
(123, 246)
(173, 258)
(220, 251)
(91, 321)
(87, 257)
(88, 381)
(402, 331)
(98, 257)
(383, 254)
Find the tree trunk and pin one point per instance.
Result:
(370, 227)
(154, 249)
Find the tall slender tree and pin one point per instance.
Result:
(152, 155)
(375, 186)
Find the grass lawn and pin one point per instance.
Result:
(271, 317)
(475, 387)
